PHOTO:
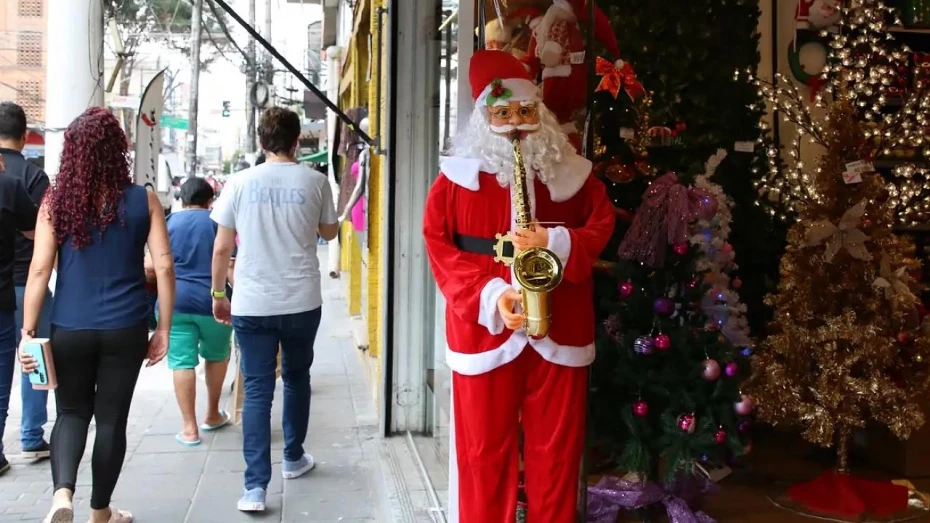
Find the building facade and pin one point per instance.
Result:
(22, 56)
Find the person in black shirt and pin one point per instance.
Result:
(17, 216)
(33, 178)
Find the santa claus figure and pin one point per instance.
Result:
(501, 377)
(558, 50)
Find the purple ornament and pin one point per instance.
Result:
(640, 408)
(626, 289)
(643, 345)
(744, 406)
(744, 426)
(663, 306)
(747, 351)
(711, 370)
(732, 369)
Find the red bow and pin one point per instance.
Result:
(816, 84)
(614, 77)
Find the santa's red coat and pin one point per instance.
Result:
(468, 201)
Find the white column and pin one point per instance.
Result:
(74, 78)
(333, 76)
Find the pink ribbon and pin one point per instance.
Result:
(662, 220)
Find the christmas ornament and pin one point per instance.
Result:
(643, 345)
(687, 423)
(711, 370)
(640, 408)
(747, 449)
(904, 338)
(744, 406)
(720, 437)
(616, 75)
(619, 173)
(626, 289)
(744, 426)
(663, 306)
(737, 283)
(732, 369)
(707, 206)
(727, 248)
(680, 248)
(693, 283)
(613, 326)
(662, 342)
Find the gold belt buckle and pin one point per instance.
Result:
(499, 246)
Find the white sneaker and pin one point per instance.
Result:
(295, 469)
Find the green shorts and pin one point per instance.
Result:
(194, 335)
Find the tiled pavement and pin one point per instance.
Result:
(164, 482)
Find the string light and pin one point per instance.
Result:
(863, 67)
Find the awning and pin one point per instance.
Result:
(319, 157)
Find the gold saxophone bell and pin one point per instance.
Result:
(537, 270)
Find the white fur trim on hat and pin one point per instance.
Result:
(521, 91)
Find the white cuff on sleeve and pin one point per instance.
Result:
(560, 242)
(488, 314)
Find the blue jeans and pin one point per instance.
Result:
(7, 363)
(259, 338)
(35, 402)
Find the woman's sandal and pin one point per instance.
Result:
(118, 516)
(62, 514)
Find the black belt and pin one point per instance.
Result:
(476, 245)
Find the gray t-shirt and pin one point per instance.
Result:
(276, 209)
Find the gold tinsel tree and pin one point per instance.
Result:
(846, 343)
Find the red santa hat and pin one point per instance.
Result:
(500, 75)
(603, 32)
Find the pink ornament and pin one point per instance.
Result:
(707, 204)
(693, 283)
(626, 289)
(711, 370)
(727, 248)
(687, 423)
(680, 248)
(732, 369)
(662, 342)
(720, 437)
(744, 406)
(640, 408)
(737, 283)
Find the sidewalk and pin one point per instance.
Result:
(164, 482)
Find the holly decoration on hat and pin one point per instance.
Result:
(498, 92)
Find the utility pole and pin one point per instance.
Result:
(74, 69)
(269, 61)
(194, 90)
(250, 71)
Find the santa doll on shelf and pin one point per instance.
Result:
(557, 50)
(514, 33)
(501, 377)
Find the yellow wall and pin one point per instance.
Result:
(363, 91)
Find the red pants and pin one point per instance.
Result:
(549, 400)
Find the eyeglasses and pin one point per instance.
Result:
(506, 112)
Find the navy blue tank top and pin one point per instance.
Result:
(102, 285)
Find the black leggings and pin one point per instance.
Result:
(97, 372)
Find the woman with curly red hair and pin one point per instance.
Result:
(97, 223)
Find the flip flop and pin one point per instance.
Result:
(179, 437)
(227, 419)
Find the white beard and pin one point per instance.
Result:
(543, 149)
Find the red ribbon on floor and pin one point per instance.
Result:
(842, 495)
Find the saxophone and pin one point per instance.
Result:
(537, 270)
